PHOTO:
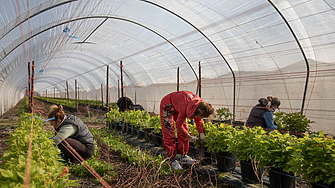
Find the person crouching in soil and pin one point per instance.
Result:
(71, 131)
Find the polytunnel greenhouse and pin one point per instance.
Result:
(230, 53)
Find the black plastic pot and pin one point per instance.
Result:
(119, 126)
(140, 134)
(193, 151)
(134, 131)
(129, 128)
(205, 156)
(158, 139)
(226, 161)
(280, 179)
(148, 134)
(248, 173)
(124, 128)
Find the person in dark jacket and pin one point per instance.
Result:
(71, 131)
(262, 113)
(125, 104)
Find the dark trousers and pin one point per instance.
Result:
(85, 151)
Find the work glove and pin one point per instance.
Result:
(193, 139)
(202, 137)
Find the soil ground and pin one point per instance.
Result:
(126, 172)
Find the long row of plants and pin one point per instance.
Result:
(44, 157)
(312, 156)
(73, 103)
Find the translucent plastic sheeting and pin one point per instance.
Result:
(247, 48)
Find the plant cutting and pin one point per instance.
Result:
(293, 122)
(314, 158)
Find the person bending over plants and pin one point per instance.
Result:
(262, 113)
(71, 131)
(177, 106)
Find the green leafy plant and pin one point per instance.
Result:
(12, 172)
(223, 114)
(242, 142)
(155, 122)
(314, 158)
(133, 155)
(275, 148)
(293, 122)
(217, 137)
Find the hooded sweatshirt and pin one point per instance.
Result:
(185, 103)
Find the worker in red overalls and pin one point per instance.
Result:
(178, 106)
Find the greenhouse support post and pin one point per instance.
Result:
(32, 86)
(107, 87)
(75, 91)
(102, 96)
(121, 67)
(29, 88)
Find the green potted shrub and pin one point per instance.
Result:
(295, 123)
(314, 159)
(276, 150)
(217, 142)
(114, 117)
(242, 143)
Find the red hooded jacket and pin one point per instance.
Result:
(185, 103)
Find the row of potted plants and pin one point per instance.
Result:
(312, 156)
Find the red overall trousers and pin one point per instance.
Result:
(178, 106)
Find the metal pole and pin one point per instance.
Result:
(29, 87)
(178, 79)
(32, 85)
(75, 92)
(102, 96)
(199, 79)
(107, 88)
(54, 92)
(121, 67)
(46, 93)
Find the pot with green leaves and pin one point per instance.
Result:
(114, 117)
(276, 150)
(242, 142)
(198, 149)
(217, 140)
(314, 159)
